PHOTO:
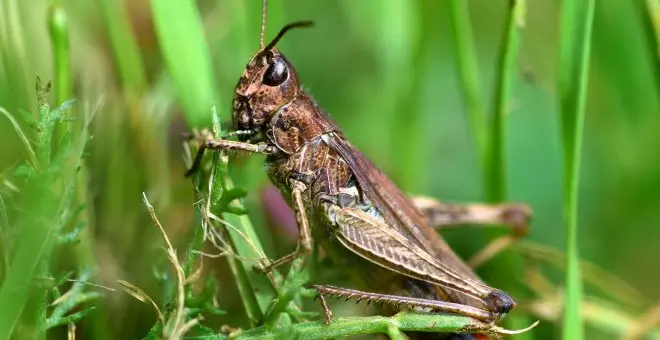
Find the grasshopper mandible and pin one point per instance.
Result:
(334, 189)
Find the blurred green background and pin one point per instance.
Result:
(388, 74)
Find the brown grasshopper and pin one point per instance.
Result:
(334, 189)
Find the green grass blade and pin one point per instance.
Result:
(125, 48)
(508, 71)
(468, 69)
(653, 8)
(508, 263)
(254, 308)
(14, 78)
(256, 292)
(653, 35)
(574, 51)
(405, 36)
(32, 156)
(58, 23)
(59, 38)
(181, 37)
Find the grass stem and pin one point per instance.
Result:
(574, 51)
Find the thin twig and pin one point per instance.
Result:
(137, 293)
(179, 317)
(71, 332)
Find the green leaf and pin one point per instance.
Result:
(71, 318)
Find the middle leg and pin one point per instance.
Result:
(304, 238)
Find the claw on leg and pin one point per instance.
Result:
(206, 141)
(326, 310)
(262, 266)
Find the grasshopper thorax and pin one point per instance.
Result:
(268, 82)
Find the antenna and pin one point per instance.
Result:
(296, 24)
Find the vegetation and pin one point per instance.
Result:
(552, 103)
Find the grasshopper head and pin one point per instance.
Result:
(268, 82)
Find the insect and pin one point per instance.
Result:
(334, 189)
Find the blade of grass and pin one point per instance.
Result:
(245, 243)
(651, 18)
(181, 37)
(507, 72)
(468, 70)
(124, 46)
(653, 8)
(490, 143)
(400, 45)
(253, 307)
(32, 156)
(59, 38)
(5, 238)
(15, 73)
(574, 50)
(508, 263)
(409, 34)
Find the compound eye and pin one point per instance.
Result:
(276, 73)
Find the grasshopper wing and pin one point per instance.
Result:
(375, 241)
(401, 215)
(395, 206)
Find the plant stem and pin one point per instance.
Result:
(244, 242)
(508, 263)
(350, 326)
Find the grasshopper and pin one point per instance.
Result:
(335, 190)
